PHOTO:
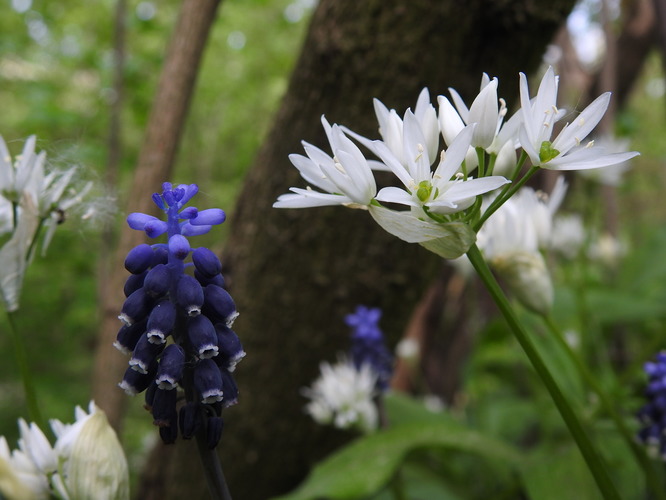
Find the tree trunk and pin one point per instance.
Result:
(296, 273)
(164, 129)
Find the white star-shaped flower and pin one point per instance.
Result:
(346, 177)
(567, 151)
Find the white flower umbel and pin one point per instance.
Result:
(567, 151)
(343, 396)
(391, 129)
(442, 191)
(346, 177)
(91, 462)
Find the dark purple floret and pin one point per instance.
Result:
(171, 366)
(218, 305)
(157, 281)
(164, 407)
(139, 259)
(189, 295)
(202, 337)
(134, 382)
(229, 388)
(136, 307)
(206, 262)
(145, 354)
(133, 283)
(217, 280)
(231, 350)
(161, 322)
(129, 335)
(208, 381)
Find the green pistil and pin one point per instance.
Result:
(424, 190)
(547, 152)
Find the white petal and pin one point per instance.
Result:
(471, 188)
(396, 195)
(450, 122)
(454, 156)
(460, 105)
(305, 198)
(485, 112)
(571, 162)
(579, 129)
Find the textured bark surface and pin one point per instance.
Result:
(296, 273)
(165, 126)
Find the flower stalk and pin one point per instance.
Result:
(590, 454)
(24, 369)
(637, 450)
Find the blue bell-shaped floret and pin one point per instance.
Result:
(218, 305)
(161, 322)
(206, 262)
(208, 381)
(158, 281)
(145, 354)
(202, 336)
(170, 368)
(189, 295)
(139, 258)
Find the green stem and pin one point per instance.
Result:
(26, 376)
(506, 193)
(638, 451)
(589, 452)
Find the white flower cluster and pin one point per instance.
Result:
(86, 461)
(441, 197)
(343, 396)
(30, 198)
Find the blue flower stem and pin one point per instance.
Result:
(26, 376)
(637, 450)
(590, 454)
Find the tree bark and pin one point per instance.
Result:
(296, 273)
(156, 158)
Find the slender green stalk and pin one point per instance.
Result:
(506, 193)
(592, 458)
(26, 376)
(638, 451)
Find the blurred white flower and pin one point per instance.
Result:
(607, 249)
(511, 240)
(568, 235)
(343, 396)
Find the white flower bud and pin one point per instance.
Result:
(91, 460)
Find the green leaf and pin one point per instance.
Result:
(366, 465)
